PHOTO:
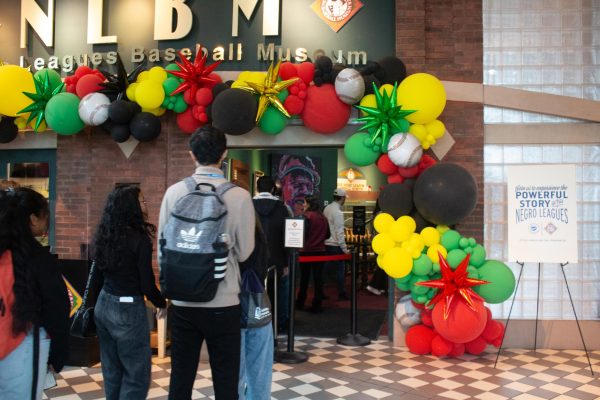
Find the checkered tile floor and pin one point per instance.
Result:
(379, 371)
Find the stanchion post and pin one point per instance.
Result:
(290, 356)
(353, 338)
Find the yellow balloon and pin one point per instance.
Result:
(143, 76)
(419, 131)
(157, 74)
(248, 76)
(430, 236)
(14, 80)
(382, 243)
(424, 93)
(149, 94)
(155, 111)
(400, 231)
(131, 89)
(368, 101)
(380, 261)
(387, 88)
(436, 128)
(417, 244)
(442, 229)
(408, 222)
(432, 252)
(382, 222)
(21, 122)
(398, 263)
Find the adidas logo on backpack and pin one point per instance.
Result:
(193, 252)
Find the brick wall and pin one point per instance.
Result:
(445, 38)
(441, 37)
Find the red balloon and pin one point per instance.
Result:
(492, 330)
(186, 121)
(426, 162)
(293, 104)
(463, 323)
(440, 347)
(476, 346)
(418, 339)
(83, 70)
(287, 70)
(189, 96)
(385, 165)
(426, 319)
(204, 96)
(458, 350)
(306, 71)
(396, 178)
(216, 79)
(88, 84)
(323, 111)
(498, 341)
(408, 172)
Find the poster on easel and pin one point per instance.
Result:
(542, 213)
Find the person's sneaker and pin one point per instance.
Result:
(373, 290)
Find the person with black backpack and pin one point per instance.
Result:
(205, 229)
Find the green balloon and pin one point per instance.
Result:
(357, 153)
(463, 242)
(502, 282)
(419, 289)
(450, 240)
(418, 298)
(422, 265)
(472, 272)
(170, 84)
(431, 293)
(173, 67)
(436, 267)
(455, 257)
(180, 104)
(272, 121)
(53, 77)
(405, 287)
(405, 279)
(477, 256)
(62, 114)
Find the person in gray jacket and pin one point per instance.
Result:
(218, 320)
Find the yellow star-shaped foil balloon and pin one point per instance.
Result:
(268, 91)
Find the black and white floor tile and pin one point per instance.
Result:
(380, 371)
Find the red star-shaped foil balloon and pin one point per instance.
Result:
(195, 75)
(452, 283)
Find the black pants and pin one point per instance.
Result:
(306, 270)
(190, 326)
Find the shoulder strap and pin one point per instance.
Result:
(224, 187)
(190, 183)
(87, 285)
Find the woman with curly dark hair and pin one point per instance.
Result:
(122, 249)
(34, 304)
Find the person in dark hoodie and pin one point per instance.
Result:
(272, 213)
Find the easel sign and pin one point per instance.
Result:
(542, 213)
(294, 233)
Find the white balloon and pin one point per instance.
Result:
(406, 313)
(93, 109)
(404, 150)
(349, 86)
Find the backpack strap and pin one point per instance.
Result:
(190, 183)
(224, 187)
(36, 361)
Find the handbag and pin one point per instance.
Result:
(83, 325)
(254, 301)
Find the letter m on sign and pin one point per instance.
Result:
(270, 15)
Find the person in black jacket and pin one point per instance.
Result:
(272, 213)
(40, 311)
(123, 253)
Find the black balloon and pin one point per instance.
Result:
(8, 130)
(421, 222)
(369, 81)
(122, 111)
(234, 111)
(445, 194)
(396, 199)
(395, 70)
(145, 126)
(219, 87)
(120, 133)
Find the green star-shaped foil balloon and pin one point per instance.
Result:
(385, 119)
(43, 93)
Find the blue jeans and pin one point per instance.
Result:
(256, 363)
(16, 369)
(340, 267)
(125, 353)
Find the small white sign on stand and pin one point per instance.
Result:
(542, 213)
(294, 233)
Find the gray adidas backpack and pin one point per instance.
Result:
(193, 244)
